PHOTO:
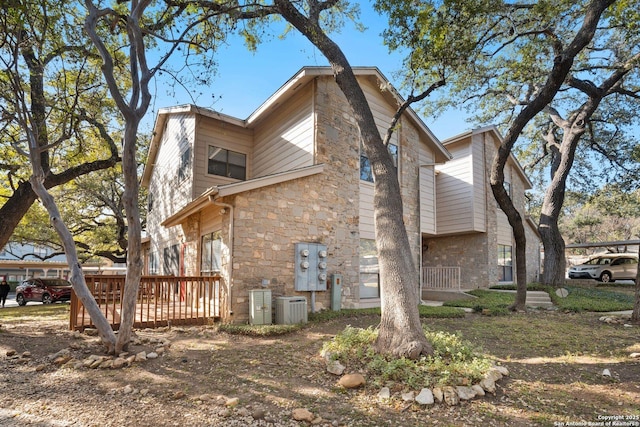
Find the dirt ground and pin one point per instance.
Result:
(556, 363)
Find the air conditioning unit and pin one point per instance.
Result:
(291, 310)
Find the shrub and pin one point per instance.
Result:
(258, 330)
(454, 361)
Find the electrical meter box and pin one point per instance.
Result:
(311, 267)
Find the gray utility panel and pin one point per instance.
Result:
(311, 267)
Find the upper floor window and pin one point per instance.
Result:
(227, 163)
(185, 164)
(366, 174)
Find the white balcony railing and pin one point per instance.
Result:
(441, 278)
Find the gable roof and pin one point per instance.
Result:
(494, 130)
(286, 91)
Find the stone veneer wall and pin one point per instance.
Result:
(410, 187)
(470, 252)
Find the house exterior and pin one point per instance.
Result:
(472, 231)
(19, 261)
(239, 198)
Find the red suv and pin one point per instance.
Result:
(46, 291)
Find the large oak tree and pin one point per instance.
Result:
(45, 62)
(514, 32)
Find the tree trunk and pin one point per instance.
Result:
(400, 332)
(77, 277)
(14, 209)
(134, 234)
(132, 109)
(519, 236)
(561, 68)
(553, 273)
(635, 314)
(554, 246)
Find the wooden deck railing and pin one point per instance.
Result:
(441, 278)
(162, 300)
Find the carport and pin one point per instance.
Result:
(616, 246)
(613, 244)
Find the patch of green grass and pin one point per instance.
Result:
(487, 302)
(454, 361)
(534, 286)
(592, 299)
(20, 314)
(579, 299)
(441, 312)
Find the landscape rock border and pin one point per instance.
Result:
(448, 394)
(617, 319)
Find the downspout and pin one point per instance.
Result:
(212, 199)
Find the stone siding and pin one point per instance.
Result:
(470, 252)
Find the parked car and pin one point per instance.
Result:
(622, 267)
(43, 290)
(589, 269)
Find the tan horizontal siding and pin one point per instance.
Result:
(285, 141)
(213, 132)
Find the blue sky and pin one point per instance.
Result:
(245, 79)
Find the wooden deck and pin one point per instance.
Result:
(162, 300)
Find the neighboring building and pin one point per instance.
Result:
(238, 198)
(21, 261)
(472, 231)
